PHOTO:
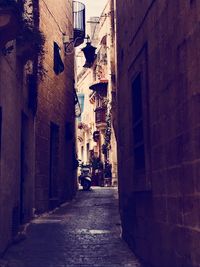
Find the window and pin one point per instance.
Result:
(138, 133)
(32, 92)
(58, 66)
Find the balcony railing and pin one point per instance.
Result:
(100, 116)
(79, 22)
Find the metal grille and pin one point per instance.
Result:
(79, 22)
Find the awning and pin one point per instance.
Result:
(100, 85)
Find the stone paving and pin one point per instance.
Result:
(82, 233)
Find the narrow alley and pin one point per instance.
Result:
(103, 94)
(82, 233)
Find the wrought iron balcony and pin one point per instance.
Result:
(79, 22)
(100, 117)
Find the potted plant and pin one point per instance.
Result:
(30, 42)
(104, 149)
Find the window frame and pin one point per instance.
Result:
(139, 66)
(137, 121)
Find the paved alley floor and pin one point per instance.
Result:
(83, 233)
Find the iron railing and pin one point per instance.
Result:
(79, 22)
(100, 115)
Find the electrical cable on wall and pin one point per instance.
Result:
(53, 17)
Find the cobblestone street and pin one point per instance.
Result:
(85, 232)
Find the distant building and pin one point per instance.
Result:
(158, 129)
(98, 87)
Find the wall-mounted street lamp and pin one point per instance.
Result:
(89, 53)
(88, 50)
(79, 35)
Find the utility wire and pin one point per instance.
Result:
(53, 17)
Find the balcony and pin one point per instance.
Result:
(100, 118)
(100, 86)
(79, 22)
(9, 21)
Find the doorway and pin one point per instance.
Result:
(54, 156)
(24, 164)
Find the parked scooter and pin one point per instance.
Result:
(85, 176)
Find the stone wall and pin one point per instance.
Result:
(160, 206)
(17, 148)
(24, 137)
(10, 150)
(55, 105)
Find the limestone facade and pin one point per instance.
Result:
(97, 86)
(158, 129)
(55, 177)
(36, 113)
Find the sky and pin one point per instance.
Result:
(94, 7)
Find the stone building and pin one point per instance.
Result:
(37, 144)
(158, 60)
(54, 125)
(86, 122)
(16, 127)
(96, 84)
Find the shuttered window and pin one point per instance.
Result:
(138, 127)
(58, 66)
